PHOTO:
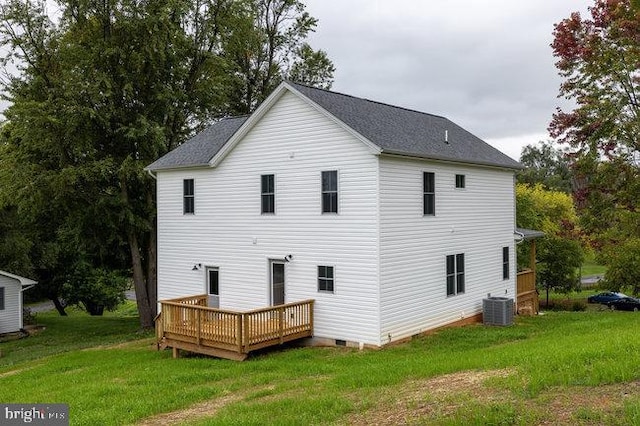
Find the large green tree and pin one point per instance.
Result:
(104, 89)
(545, 164)
(599, 59)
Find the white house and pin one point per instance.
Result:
(395, 221)
(11, 288)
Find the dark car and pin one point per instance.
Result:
(606, 297)
(625, 304)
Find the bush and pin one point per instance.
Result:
(565, 305)
(28, 317)
(95, 289)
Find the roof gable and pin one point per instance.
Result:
(383, 128)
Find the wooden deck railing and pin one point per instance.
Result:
(187, 323)
(527, 297)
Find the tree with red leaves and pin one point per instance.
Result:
(599, 59)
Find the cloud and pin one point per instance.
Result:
(486, 64)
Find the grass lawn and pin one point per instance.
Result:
(590, 268)
(558, 368)
(76, 331)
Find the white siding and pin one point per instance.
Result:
(477, 221)
(11, 315)
(294, 142)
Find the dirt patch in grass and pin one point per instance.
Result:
(195, 412)
(433, 397)
(437, 399)
(567, 406)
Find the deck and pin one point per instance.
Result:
(188, 324)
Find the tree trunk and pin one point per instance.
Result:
(145, 311)
(146, 307)
(152, 270)
(59, 306)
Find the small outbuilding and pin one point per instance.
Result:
(11, 288)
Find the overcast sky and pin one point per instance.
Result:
(484, 64)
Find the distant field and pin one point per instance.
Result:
(558, 368)
(591, 268)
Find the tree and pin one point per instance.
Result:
(547, 165)
(624, 266)
(598, 59)
(560, 251)
(268, 46)
(104, 91)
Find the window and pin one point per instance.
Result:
(459, 181)
(268, 194)
(455, 274)
(429, 193)
(330, 191)
(1, 298)
(505, 263)
(325, 278)
(189, 206)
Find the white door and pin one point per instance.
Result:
(213, 288)
(277, 282)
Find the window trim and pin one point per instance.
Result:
(271, 195)
(460, 181)
(326, 279)
(506, 269)
(188, 200)
(329, 192)
(429, 194)
(455, 279)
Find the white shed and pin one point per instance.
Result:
(11, 288)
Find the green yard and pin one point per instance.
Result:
(561, 368)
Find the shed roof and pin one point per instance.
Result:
(529, 234)
(395, 130)
(23, 281)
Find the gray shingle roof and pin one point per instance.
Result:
(394, 129)
(198, 150)
(402, 131)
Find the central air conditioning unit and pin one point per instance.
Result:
(497, 311)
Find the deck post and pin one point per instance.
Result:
(199, 328)
(176, 352)
(281, 324)
(245, 334)
(239, 332)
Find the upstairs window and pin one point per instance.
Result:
(1, 298)
(330, 191)
(188, 195)
(455, 274)
(505, 263)
(429, 193)
(325, 278)
(268, 194)
(459, 181)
